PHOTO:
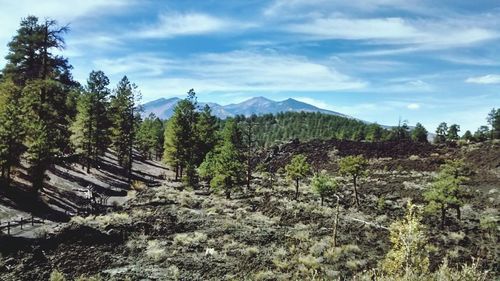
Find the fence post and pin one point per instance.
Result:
(8, 228)
(32, 220)
(21, 223)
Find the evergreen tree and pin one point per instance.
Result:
(401, 132)
(452, 134)
(30, 56)
(97, 86)
(419, 133)
(12, 129)
(249, 143)
(83, 129)
(468, 136)
(297, 170)
(225, 164)
(375, 132)
(123, 116)
(206, 130)
(181, 138)
(446, 190)
(39, 153)
(45, 82)
(90, 129)
(441, 133)
(355, 167)
(482, 133)
(323, 185)
(150, 136)
(494, 121)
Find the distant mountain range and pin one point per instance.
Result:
(164, 108)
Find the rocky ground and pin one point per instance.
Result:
(171, 233)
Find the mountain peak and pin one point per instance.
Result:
(256, 105)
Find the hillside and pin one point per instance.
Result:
(173, 233)
(65, 191)
(271, 129)
(163, 108)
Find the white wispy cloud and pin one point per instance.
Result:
(419, 34)
(486, 79)
(181, 24)
(294, 8)
(12, 12)
(237, 71)
(413, 106)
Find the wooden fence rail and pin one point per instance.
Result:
(19, 223)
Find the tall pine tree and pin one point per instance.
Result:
(12, 129)
(45, 81)
(123, 117)
(91, 125)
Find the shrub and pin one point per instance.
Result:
(57, 276)
(138, 185)
(189, 239)
(155, 251)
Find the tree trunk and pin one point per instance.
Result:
(322, 199)
(176, 172)
(7, 178)
(355, 191)
(296, 189)
(336, 223)
(443, 215)
(228, 193)
(457, 208)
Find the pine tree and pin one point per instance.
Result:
(90, 129)
(180, 137)
(83, 129)
(375, 132)
(173, 145)
(452, 134)
(494, 121)
(441, 133)
(323, 185)
(206, 130)
(468, 136)
(39, 153)
(150, 136)
(297, 170)
(249, 143)
(225, 163)
(12, 129)
(123, 117)
(419, 133)
(354, 166)
(45, 82)
(482, 133)
(97, 85)
(446, 190)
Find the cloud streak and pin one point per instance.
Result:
(486, 79)
(184, 24)
(425, 35)
(237, 71)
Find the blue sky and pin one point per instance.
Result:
(379, 60)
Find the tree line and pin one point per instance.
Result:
(447, 134)
(45, 115)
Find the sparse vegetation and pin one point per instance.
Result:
(60, 140)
